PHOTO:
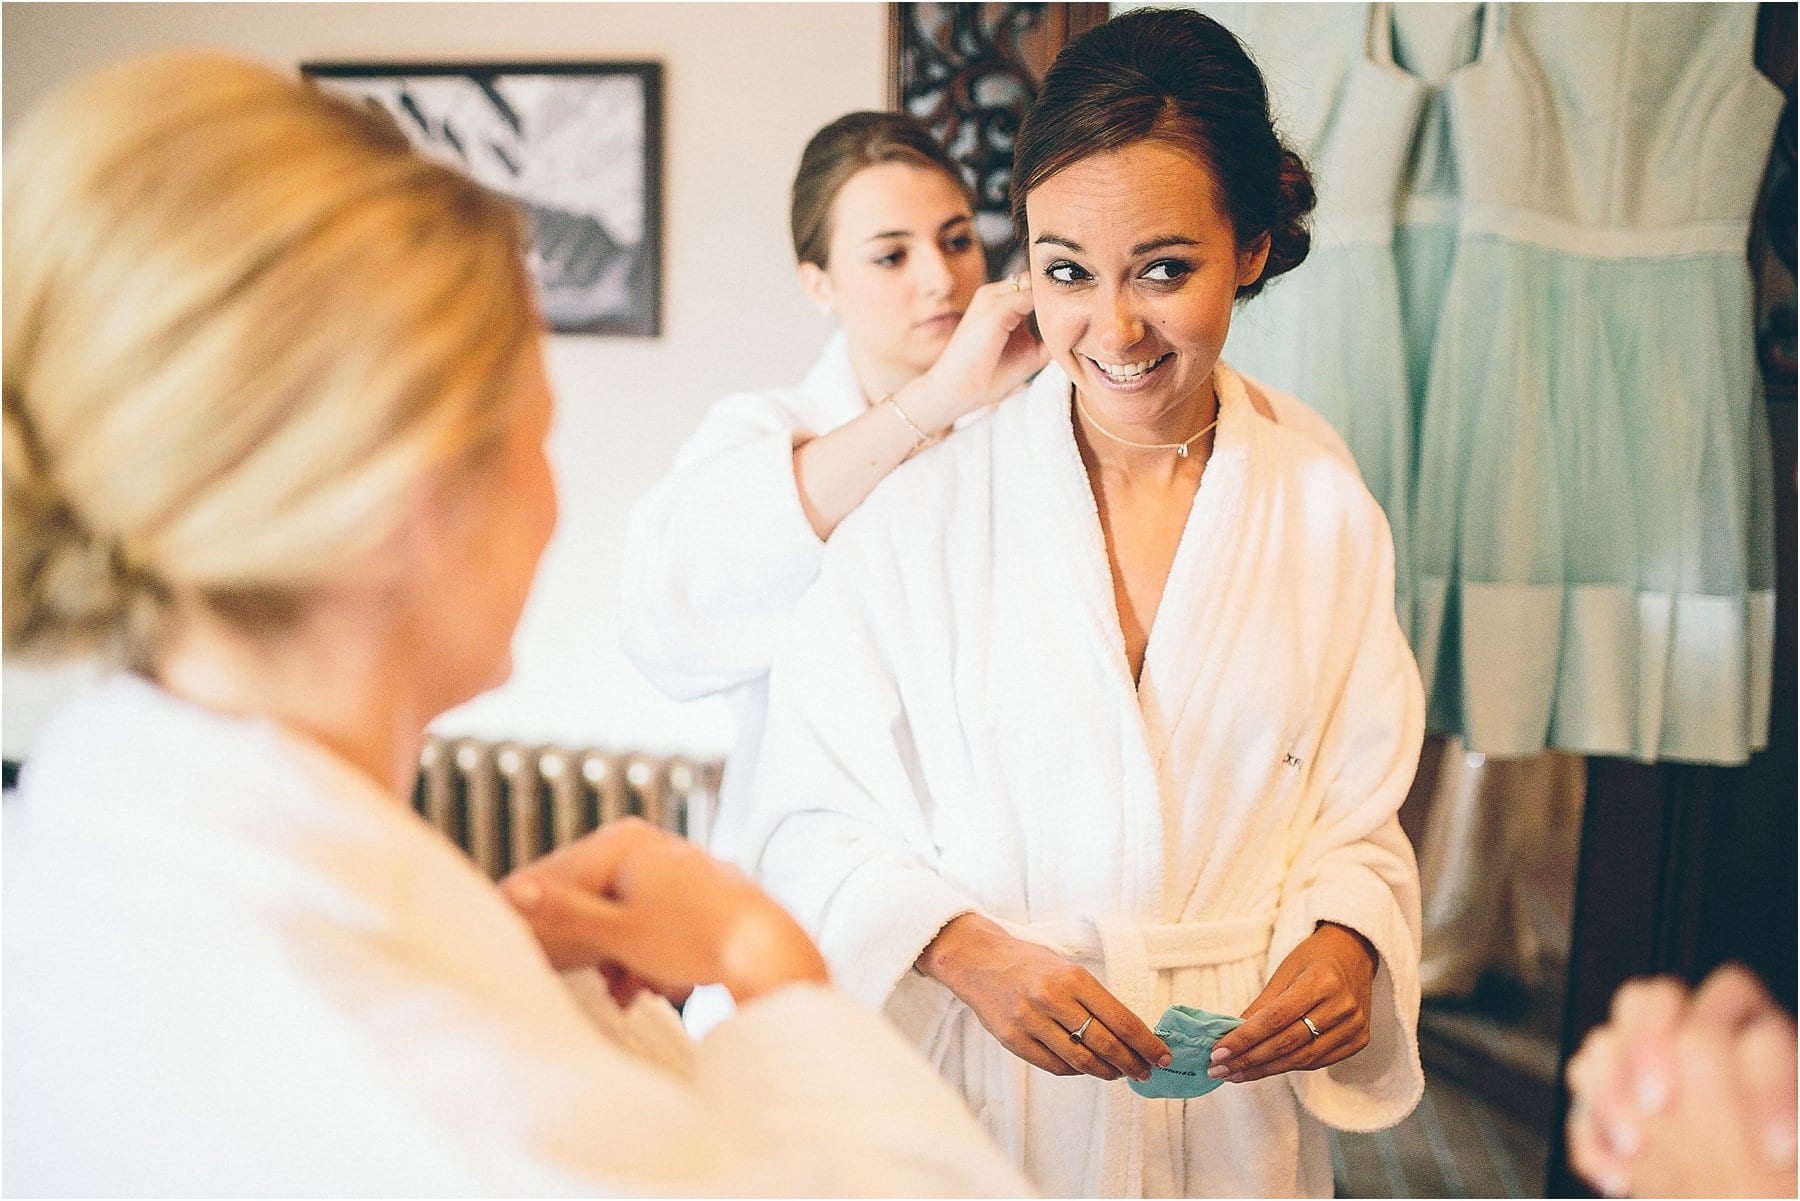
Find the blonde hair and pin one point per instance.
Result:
(244, 323)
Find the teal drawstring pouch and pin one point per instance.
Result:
(1190, 1034)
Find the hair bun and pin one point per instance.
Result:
(1290, 237)
(68, 588)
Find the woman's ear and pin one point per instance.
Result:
(818, 287)
(1251, 261)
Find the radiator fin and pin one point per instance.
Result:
(506, 803)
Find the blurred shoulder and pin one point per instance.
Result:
(1311, 455)
(1291, 413)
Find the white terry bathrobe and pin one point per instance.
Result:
(716, 557)
(236, 968)
(718, 554)
(953, 727)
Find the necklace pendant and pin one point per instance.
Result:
(1181, 451)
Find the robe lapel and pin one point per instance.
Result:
(1074, 536)
(1181, 662)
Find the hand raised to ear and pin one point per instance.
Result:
(993, 352)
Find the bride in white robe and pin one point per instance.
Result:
(1075, 725)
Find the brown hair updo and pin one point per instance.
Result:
(839, 151)
(1176, 75)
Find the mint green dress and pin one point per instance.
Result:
(1330, 329)
(1591, 533)
(1430, 41)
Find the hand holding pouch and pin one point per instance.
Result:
(1190, 1034)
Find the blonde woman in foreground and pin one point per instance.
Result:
(274, 424)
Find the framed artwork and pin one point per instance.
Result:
(970, 72)
(577, 145)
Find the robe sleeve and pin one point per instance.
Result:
(1353, 865)
(717, 555)
(839, 828)
(801, 1093)
(856, 1109)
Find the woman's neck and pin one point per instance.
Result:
(324, 682)
(1109, 452)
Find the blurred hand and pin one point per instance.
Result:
(993, 351)
(650, 909)
(1681, 1094)
(1032, 999)
(1326, 979)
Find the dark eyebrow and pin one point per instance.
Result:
(959, 219)
(1140, 248)
(1160, 243)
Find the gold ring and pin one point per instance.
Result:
(1309, 1025)
(1018, 282)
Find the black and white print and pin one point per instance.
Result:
(577, 145)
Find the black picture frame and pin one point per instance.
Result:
(577, 144)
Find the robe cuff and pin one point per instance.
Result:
(649, 1027)
(883, 918)
(774, 1016)
(1380, 1084)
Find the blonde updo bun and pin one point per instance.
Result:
(66, 589)
(244, 322)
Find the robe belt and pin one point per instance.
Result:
(1131, 951)
(1131, 956)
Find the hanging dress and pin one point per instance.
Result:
(1430, 41)
(1591, 531)
(1330, 329)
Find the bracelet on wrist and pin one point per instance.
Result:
(920, 437)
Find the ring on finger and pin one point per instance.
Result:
(1308, 1023)
(1075, 1034)
(1018, 282)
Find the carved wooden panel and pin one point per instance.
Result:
(970, 71)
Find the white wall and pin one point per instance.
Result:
(744, 86)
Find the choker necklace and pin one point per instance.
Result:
(1180, 448)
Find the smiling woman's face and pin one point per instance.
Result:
(1134, 270)
(902, 265)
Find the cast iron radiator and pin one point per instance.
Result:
(506, 803)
